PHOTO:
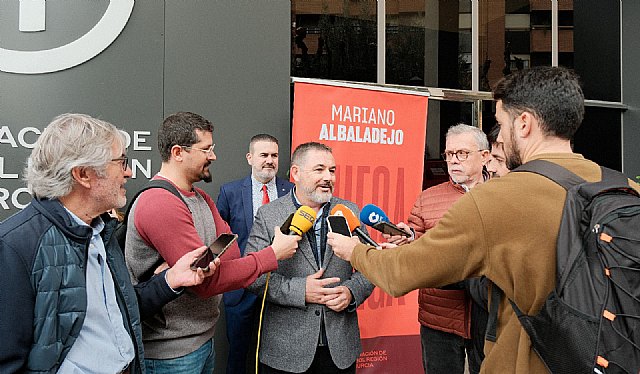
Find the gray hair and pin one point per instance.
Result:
(69, 141)
(299, 154)
(479, 135)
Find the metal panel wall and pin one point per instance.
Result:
(122, 85)
(227, 60)
(630, 91)
(234, 70)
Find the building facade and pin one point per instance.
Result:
(460, 48)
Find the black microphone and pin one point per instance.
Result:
(284, 228)
(354, 223)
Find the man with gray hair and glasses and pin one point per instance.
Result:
(446, 314)
(66, 302)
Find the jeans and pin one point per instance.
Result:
(200, 361)
(444, 353)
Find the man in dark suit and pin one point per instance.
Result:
(238, 203)
(310, 322)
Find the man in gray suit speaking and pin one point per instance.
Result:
(309, 322)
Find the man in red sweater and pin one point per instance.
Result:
(162, 228)
(445, 313)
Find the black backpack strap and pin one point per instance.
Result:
(610, 180)
(495, 296)
(122, 230)
(155, 183)
(555, 172)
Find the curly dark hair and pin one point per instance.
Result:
(552, 94)
(180, 129)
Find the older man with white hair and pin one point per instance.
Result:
(67, 304)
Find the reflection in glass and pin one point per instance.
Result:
(594, 36)
(428, 43)
(334, 39)
(514, 34)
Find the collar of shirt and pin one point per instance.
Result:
(298, 204)
(103, 328)
(256, 185)
(319, 244)
(256, 192)
(97, 225)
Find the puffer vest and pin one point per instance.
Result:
(445, 309)
(59, 281)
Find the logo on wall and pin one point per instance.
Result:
(32, 19)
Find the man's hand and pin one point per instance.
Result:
(338, 298)
(387, 246)
(315, 290)
(181, 275)
(342, 245)
(400, 239)
(283, 245)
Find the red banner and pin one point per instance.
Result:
(378, 140)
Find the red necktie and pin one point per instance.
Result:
(265, 195)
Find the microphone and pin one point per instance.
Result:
(353, 222)
(302, 220)
(375, 217)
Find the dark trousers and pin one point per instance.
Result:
(242, 334)
(444, 353)
(322, 364)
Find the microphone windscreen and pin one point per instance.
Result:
(342, 210)
(371, 214)
(302, 220)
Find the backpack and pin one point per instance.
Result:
(590, 322)
(121, 229)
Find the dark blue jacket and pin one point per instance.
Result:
(43, 288)
(235, 205)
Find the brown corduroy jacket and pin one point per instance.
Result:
(505, 229)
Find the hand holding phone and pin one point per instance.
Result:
(216, 249)
(391, 229)
(339, 225)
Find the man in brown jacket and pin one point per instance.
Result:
(505, 229)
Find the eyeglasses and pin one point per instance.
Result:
(207, 151)
(124, 162)
(462, 155)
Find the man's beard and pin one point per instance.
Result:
(318, 196)
(265, 174)
(205, 175)
(512, 154)
(459, 179)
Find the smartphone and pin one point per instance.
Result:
(391, 229)
(338, 224)
(215, 250)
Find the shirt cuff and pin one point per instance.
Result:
(352, 305)
(413, 235)
(176, 291)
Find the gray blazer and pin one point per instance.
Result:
(290, 326)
